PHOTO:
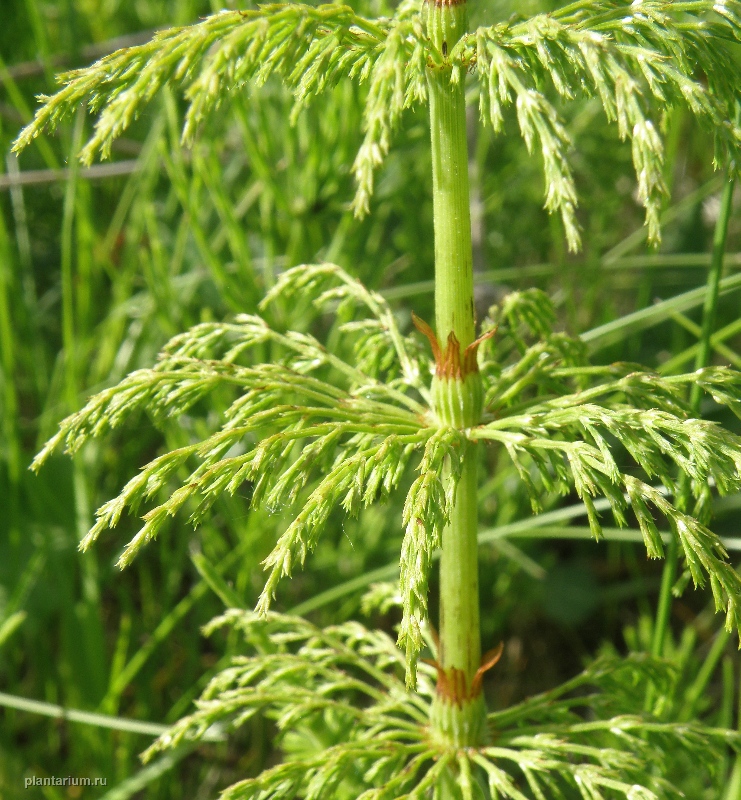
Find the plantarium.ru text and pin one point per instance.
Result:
(336, 427)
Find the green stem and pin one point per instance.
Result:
(453, 252)
(733, 787)
(460, 641)
(702, 679)
(709, 309)
(7, 371)
(459, 711)
(703, 358)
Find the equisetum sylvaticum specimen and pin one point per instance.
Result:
(319, 430)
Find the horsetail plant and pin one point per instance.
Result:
(321, 430)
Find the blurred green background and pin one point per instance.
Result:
(99, 267)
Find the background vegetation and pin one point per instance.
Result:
(99, 267)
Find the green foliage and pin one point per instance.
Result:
(318, 430)
(311, 48)
(638, 59)
(566, 439)
(300, 440)
(212, 58)
(359, 439)
(348, 680)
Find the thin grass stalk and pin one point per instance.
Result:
(611, 332)
(67, 267)
(733, 787)
(32, 317)
(702, 679)
(716, 340)
(83, 513)
(7, 376)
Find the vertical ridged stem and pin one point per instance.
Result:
(703, 359)
(71, 354)
(453, 252)
(457, 717)
(460, 642)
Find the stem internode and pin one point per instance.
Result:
(459, 713)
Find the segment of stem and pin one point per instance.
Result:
(459, 713)
(453, 252)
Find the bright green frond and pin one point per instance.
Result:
(397, 81)
(310, 47)
(321, 434)
(426, 511)
(343, 678)
(376, 339)
(581, 740)
(578, 440)
(313, 432)
(639, 59)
